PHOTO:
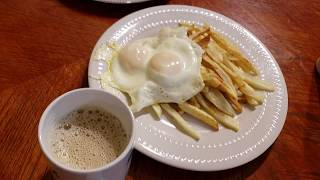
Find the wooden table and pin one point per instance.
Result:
(45, 48)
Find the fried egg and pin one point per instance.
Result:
(160, 69)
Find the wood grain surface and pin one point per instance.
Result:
(45, 48)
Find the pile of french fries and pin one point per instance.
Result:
(230, 79)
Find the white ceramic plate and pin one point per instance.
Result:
(216, 150)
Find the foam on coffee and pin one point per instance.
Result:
(88, 138)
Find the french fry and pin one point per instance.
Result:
(242, 99)
(222, 118)
(251, 80)
(212, 79)
(257, 83)
(243, 64)
(243, 86)
(217, 98)
(177, 108)
(201, 37)
(218, 66)
(191, 28)
(180, 123)
(232, 50)
(206, 75)
(195, 35)
(252, 102)
(239, 93)
(215, 83)
(203, 41)
(157, 109)
(235, 104)
(194, 102)
(250, 92)
(211, 73)
(200, 114)
(223, 75)
(215, 52)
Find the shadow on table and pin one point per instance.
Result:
(108, 9)
(147, 168)
(48, 176)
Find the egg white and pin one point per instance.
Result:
(160, 69)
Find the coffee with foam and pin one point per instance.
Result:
(88, 138)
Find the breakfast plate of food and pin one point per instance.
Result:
(206, 93)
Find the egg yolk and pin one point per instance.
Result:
(167, 63)
(133, 57)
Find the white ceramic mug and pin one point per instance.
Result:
(60, 107)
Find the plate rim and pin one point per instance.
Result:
(265, 146)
